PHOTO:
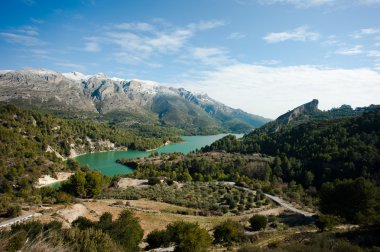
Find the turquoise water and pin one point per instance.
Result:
(105, 161)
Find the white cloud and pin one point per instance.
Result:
(364, 32)
(270, 62)
(298, 34)
(272, 91)
(358, 49)
(368, 2)
(140, 26)
(29, 2)
(71, 66)
(40, 53)
(210, 55)
(139, 42)
(299, 3)
(24, 35)
(37, 20)
(28, 30)
(205, 25)
(374, 53)
(314, 3)
(331, 40)
(91, 47)
(236, 35)
(25, 40)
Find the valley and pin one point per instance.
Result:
(106, 161)
(190, 126)
(309, 173)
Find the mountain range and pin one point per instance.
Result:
(126, 101)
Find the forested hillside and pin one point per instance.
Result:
(32, 144)
(317, 151)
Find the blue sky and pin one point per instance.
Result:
(262, 56)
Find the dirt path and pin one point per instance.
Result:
(278, 200)
(288, 206)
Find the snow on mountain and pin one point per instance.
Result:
(117, 79)
(40, 71)
(76, 76)
(5, 71)
(77, 92)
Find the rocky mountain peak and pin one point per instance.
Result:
(303, 110)
(133, 101)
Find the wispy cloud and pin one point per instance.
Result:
(236, 35)
(368, 2)
(28, 30)
(210, 55)
(365, 32)
(358, 49)
(28, 2)
(265, 90)
(40, 53)
(37, 20)
(374, 53)
(330, 40)
(140, 26)
(301, 33)
(314, 3)
(71, 66)
(91, 47)
(138, 42)
(21, 39)
(270, 62)
(205, 25)
(24, 35)
(299, 3)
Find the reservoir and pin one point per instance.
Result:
(105, 162)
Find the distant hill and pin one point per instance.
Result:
(314, 146)
(309, 112)
(128, 102)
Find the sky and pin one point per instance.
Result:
(263, 56)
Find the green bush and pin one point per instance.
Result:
(258, 222)
(326, 222)
(82, 223)
(126, 230)
(17, 241)
(13, 211)
(157, 239)
(189, 237)
(91, 239)
(228, 232)
(154, 181)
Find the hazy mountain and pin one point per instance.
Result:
(129, 101)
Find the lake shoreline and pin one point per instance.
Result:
(105, 161)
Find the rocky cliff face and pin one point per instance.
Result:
(44, 89)
(75, 92)
(305, 110)
(309, 111)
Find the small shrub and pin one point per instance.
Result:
(154, 181)
(326, 222)
(157, 239)
(258, 222)
(228, 232)
(13, 211)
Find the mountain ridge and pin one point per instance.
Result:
(309, 111)
(149, 101)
